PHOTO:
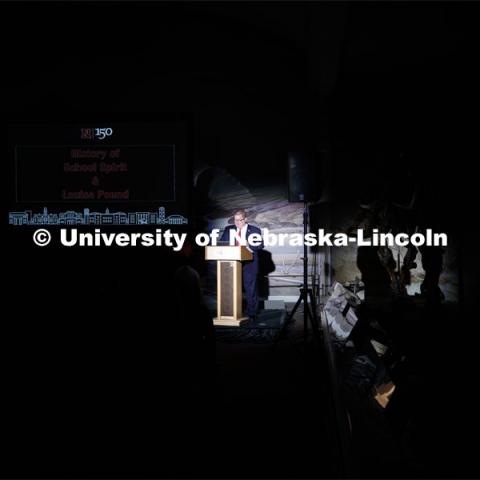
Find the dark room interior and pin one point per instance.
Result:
(348, 361)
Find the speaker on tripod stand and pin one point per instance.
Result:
(303, 177)
(304, 187)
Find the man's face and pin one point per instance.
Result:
(239, 221)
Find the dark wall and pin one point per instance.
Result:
(388, 87)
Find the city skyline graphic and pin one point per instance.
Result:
(87, 217)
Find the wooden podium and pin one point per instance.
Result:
(229, 283)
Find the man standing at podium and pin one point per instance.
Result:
(250, 267)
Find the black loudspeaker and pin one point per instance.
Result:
(303, 177)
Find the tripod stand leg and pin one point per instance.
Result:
(288, 321)
(314, 309)
(309, 313)
(313, 316)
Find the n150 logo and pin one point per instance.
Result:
(92, 133)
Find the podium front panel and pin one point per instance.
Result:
(227, 272)
(229, 293)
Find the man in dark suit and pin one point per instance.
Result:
(250, 267)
